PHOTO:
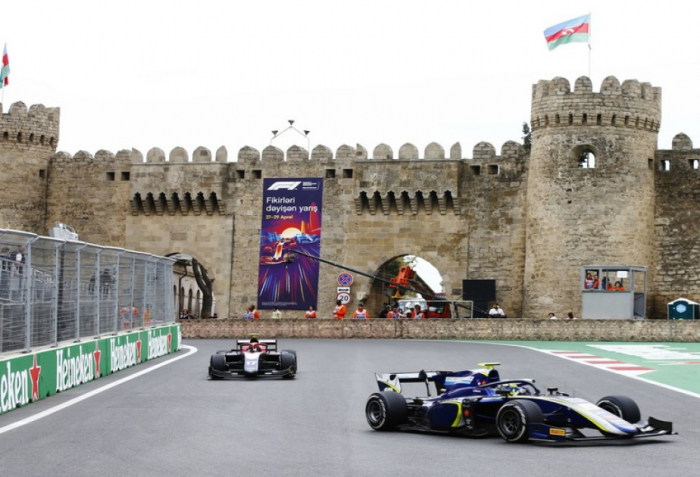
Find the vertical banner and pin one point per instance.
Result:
(291, 221)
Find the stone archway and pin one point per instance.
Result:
(188, 291)
(427, 277)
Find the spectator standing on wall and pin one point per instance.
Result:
(418, 313)
(339, 311)
(276, 313)
(6, 259)
(496, 312)
(385, 312)
(393, 314)
(552, 316)
(361, 313)
(105, 283)
(570, 316)
(311, 313)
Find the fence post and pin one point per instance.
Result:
(26, 269)
(54, 297)
(78, 295)
(98, 290)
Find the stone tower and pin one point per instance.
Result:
(28, 140)
(603, 214)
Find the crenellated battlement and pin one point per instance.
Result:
(320, 153)
(36, 128)
(630, 105)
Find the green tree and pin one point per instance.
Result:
(205, 285)
(527, 138)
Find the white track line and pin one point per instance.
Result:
(638, 378)
(94, 392)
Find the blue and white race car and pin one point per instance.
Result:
(478, 403)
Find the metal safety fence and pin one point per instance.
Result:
(54, 290)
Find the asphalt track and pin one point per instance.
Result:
(174, 421)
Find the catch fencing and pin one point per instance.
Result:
(54, 290)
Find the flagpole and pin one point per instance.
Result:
(590, 31)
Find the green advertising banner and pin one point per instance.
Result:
(28, 378)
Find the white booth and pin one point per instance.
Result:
(613, 292)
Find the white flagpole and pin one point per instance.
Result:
(2, 101)
(590, 30)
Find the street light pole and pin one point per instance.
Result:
(305, 134)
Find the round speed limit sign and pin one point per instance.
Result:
(344, 298)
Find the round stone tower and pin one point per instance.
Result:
(28, 140)
(590, 195)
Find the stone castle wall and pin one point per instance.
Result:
(677, 225)
(28, 139)
(529, 222)
(588, 216)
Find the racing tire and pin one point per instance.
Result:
(217, 363)
(514, 417)
(386, 410)
(288, 361)
(622, 406)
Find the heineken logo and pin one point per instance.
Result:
(73, 370)
(14, 388)
(158, 345)
(124, 355)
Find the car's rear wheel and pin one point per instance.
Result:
(621, 406)
(386, 410)
(514, 417)
(288, 361)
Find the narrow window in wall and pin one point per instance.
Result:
(110, 176)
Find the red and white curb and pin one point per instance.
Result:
(608, 364)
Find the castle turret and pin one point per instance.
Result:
(28, 139)
(590, 197)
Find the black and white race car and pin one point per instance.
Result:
(253, 358)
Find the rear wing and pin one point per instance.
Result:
(392, 381)
(446, 379)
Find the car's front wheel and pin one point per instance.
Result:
(621, 406)
(288, 361)
(514, 417)
(386, 410)
(217, 363)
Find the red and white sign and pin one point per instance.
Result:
(344, 298)
(345, 279)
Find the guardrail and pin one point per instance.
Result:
(54, 290)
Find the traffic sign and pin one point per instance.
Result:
(342, 289)
(344, 298)
(345, 279)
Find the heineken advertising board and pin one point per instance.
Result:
(28, 378)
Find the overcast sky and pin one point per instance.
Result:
(146, 74)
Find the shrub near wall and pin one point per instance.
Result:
(465, 329)
(30, 377)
